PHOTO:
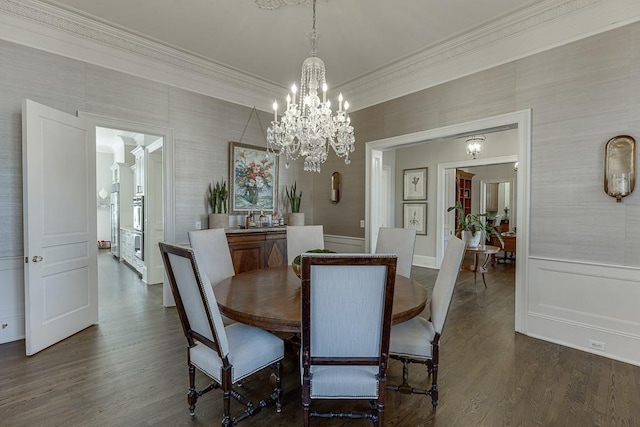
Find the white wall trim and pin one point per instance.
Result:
(424, 261)
(344, 244)
(608, 313)
(12, 301)
(45, 27)
(168, 170)
(544, 26)
(522, 120)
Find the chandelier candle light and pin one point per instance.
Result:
(308, 126)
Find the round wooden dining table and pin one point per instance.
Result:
(270, 299)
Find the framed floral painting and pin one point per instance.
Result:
(415, 184)
(253, 179)
(415, 217)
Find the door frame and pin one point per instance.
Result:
(168, 174)
(518, 119)
(483, 192)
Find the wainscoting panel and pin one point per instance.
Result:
(11, 299)
(344, 244)
(586, 306)
(424, 261)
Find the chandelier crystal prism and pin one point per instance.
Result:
(308, 126)
(474, 145)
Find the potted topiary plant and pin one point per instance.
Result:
(217, 196)
(295, 217)
(473, 226)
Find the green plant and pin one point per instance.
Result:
(217, 195)
(474, 223)
(294, 198)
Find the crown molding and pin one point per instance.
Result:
(549, 24)
(542, 27)
(44, 27)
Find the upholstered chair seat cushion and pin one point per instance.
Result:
(344, 382)
(245, 360)
(412, 338)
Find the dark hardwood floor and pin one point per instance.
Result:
(130, 370)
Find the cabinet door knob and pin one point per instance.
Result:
(36, 258)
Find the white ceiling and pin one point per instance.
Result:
(356, 37)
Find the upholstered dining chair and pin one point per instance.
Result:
(400, 241)
(213, 249)
(417, 340)
(228, 354)
(302, 238)
(347, 301)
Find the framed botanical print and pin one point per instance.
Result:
(415, 217)
(415, 184)
(253, 178)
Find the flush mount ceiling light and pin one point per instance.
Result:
(308, 126)
(474, 145)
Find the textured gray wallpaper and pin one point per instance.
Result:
(202, 126)
(581, 95)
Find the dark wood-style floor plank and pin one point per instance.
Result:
(130, 370)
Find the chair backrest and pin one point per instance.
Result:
(302, 238)
(213, 250)
(400, 241)
(194, 297)
(347, 301)
(447, 276)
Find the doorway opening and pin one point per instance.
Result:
(154, 180)
(521, 121)
(129, 164)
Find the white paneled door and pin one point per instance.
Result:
(59, 185)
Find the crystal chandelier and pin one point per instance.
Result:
(308, 126)
(474, 145)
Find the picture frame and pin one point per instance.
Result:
(414, 216)
(253, 179)
(415, 184)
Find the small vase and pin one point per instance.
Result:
(296, 218)
(219, 220)
(472, 239)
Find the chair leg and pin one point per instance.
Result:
(434, 370)
(306, 401)
(226, 397)
(382, 394)
(192, 395)
(433, 391)
(277, 391)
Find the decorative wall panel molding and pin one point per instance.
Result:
(606, 315)
(344, 244)
(12, 300)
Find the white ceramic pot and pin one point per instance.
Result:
(219, 220)
(296, 218)
(472, 239)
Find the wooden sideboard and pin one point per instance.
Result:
(259, 248)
